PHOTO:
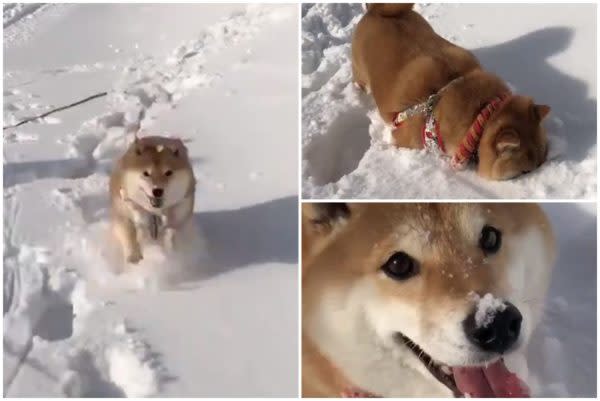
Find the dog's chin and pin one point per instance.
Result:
(156, 203)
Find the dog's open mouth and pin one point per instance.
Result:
(493, 380)
(155, 202)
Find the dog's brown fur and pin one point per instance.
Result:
(398, 57)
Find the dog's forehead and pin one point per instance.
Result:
(155, 150)
(414, 227)
(157, 143)
(436, 217)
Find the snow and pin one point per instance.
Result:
(220, 317)
(136, 378)
(486, 309)
(561, 357)
(547, 51)
(13, 12)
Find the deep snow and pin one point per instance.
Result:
(220, 319)
(561, 356)
(547, 51)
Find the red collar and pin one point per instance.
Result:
(470, 143)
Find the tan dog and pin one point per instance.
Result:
(402, 62)
(152, 194)
(422, 300)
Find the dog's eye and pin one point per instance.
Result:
(490, 239)
(168, 173)
(146, 174)
(400, 266)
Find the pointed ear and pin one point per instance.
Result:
(325, 214)
(507, 140)
(178, 147)
(540, 111)
(319, 223)
(320, 219)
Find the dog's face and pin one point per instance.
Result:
(514, 141)
(157, 172)
(463, 283)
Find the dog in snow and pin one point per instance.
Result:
(437, 96)
(420, 300)
(151, 194)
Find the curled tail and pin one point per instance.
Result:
(389, 9)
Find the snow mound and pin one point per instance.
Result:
(135, 377)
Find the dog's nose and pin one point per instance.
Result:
(499, 334)
(157, 192)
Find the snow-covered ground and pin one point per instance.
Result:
(547, 51)
(222, 319)
(561, 357)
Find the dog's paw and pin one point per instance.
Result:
(134, 257)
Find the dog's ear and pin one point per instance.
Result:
(539, 111)
(319, 223)
(507, 141)
(178, 147)
(325, 216)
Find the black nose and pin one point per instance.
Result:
(157, 192)
(499, 334)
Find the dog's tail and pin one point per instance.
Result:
(389, 9)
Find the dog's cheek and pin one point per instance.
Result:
(177, 187)
(135, 187)
(444, 337)
(388, 314)
(505, 168)
(528, 277)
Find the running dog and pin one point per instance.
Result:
(151, 194)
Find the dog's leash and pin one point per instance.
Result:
(155, 222)
(424, 108)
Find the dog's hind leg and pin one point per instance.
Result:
(125, 233)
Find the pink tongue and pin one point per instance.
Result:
(494, 380)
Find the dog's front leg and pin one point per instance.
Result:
(169, 233)
(169, 239)
(126, 234)
(408, 134)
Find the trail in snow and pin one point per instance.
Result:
(76, 321)
(14, 12)
(346, 151)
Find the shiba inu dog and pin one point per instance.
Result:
(422, 300)
(151, 193)
(437, 96)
